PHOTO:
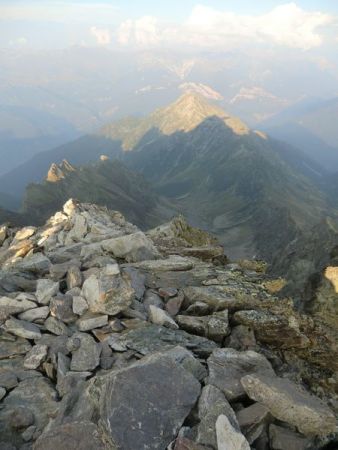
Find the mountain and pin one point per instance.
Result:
(106, 183)
(237, 183)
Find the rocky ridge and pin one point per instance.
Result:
(112, 338)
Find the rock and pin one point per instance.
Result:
(74, 277)
(28, 434)
(58, 271)
(11, 306)
(187, 360)
(167, 293)
(35, 314)
(137, 280)
(36, 263)
(61, 307)
(3, 234)
(160, 317)
(242, 338)
(227, 437)
(227, 366)
(24, 233)
(197, 309)
(152, 298)
(214, 327)
(287, 402)
(159, 409)
(273, 329)
(8, 380)
(35, 356)
(2, 393)
(90, 321)
(87, 356)
(108, 294)
(155, 338)
(211, 405)
(252, 421)
(182, 443)
(173, 305)
(57, 327)
(284, 439)
(10, 349)
(22, 328)
(80, 305)
(45, 290)
(74, 436)
(133, 248)
(21, 418)
(214, 296)
(172, 263)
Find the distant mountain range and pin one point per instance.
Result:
(256, 194)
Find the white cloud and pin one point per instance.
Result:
(59, 11)
(19, 42)
(286, 25)
(102, 36)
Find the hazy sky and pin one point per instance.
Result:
(209, 24)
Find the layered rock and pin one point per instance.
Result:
(115, 339)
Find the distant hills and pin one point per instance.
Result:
(256, 194)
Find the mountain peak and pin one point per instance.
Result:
(57, 172)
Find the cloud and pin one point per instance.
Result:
(287, 25)
(19, 42)
(59, 11)
(102, 36)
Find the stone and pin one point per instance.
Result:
(28, 434)
(22, 328)
(252, 420)
(57, 327)
(172, 263)
(215, 326)
(32, 315)
(152, 298)
(227, 366)
(288, 403)
(36, 263)
(215, 297)
(11, 306)
(183, 443)
(173, 305)
(74, 277)
(45, 290)
(197, 309)
(108, 294)
(71, 381)
(3, 392)
(80, 305)
(90, 321)
(3, 234)
(167, 293)
(137, 280)
(61, 307)
(133, 247)
(242, 338)
(24, 233)
(227, 437)
(187, 360)
(35, 356)
(21, 418)
(155, 338)
(11, 349)
(87, 356)
(273, 329)
(8, 380)
(284, 439)
(73, 436)
(160, 317)
(159, 409)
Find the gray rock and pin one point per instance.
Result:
(137, 280)
(155, 338)
(11, 306)
(108, 294)
(287, 402)
(2, 393)
(214, 296)
(35, 356)
(35, 314)
(74, 277)
(87, 356)
(284, 439)
(252, 420)
(80, 305)
(172, 263)
(10, 349)
(36, 263)
(211, 405)
(61, 307)
(160, 317)
(215, 326)
(134, 247)
(227, 366)
(187, 360)
(73, 436)
(22, 328)
(57, 327)
(8, 380)
(90, 321)
(227, 437)
(152, 298)
(45, 290)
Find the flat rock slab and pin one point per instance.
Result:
(227, 437)
(23, 329)
(227, 366)
(87, 355)
(133, 247)
(146, 403)
(9, 306)
(287, 402)
(172, 263)
(155, 338)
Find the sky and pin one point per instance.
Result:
(190, 24)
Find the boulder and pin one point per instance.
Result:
(227, 437)
(107, 294)
(227, 366)
(252, 420)
(287, 402)
(87, 356)
(22, 328)
(133, 247)
(284, 439)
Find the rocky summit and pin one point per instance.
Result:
(112, 338)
